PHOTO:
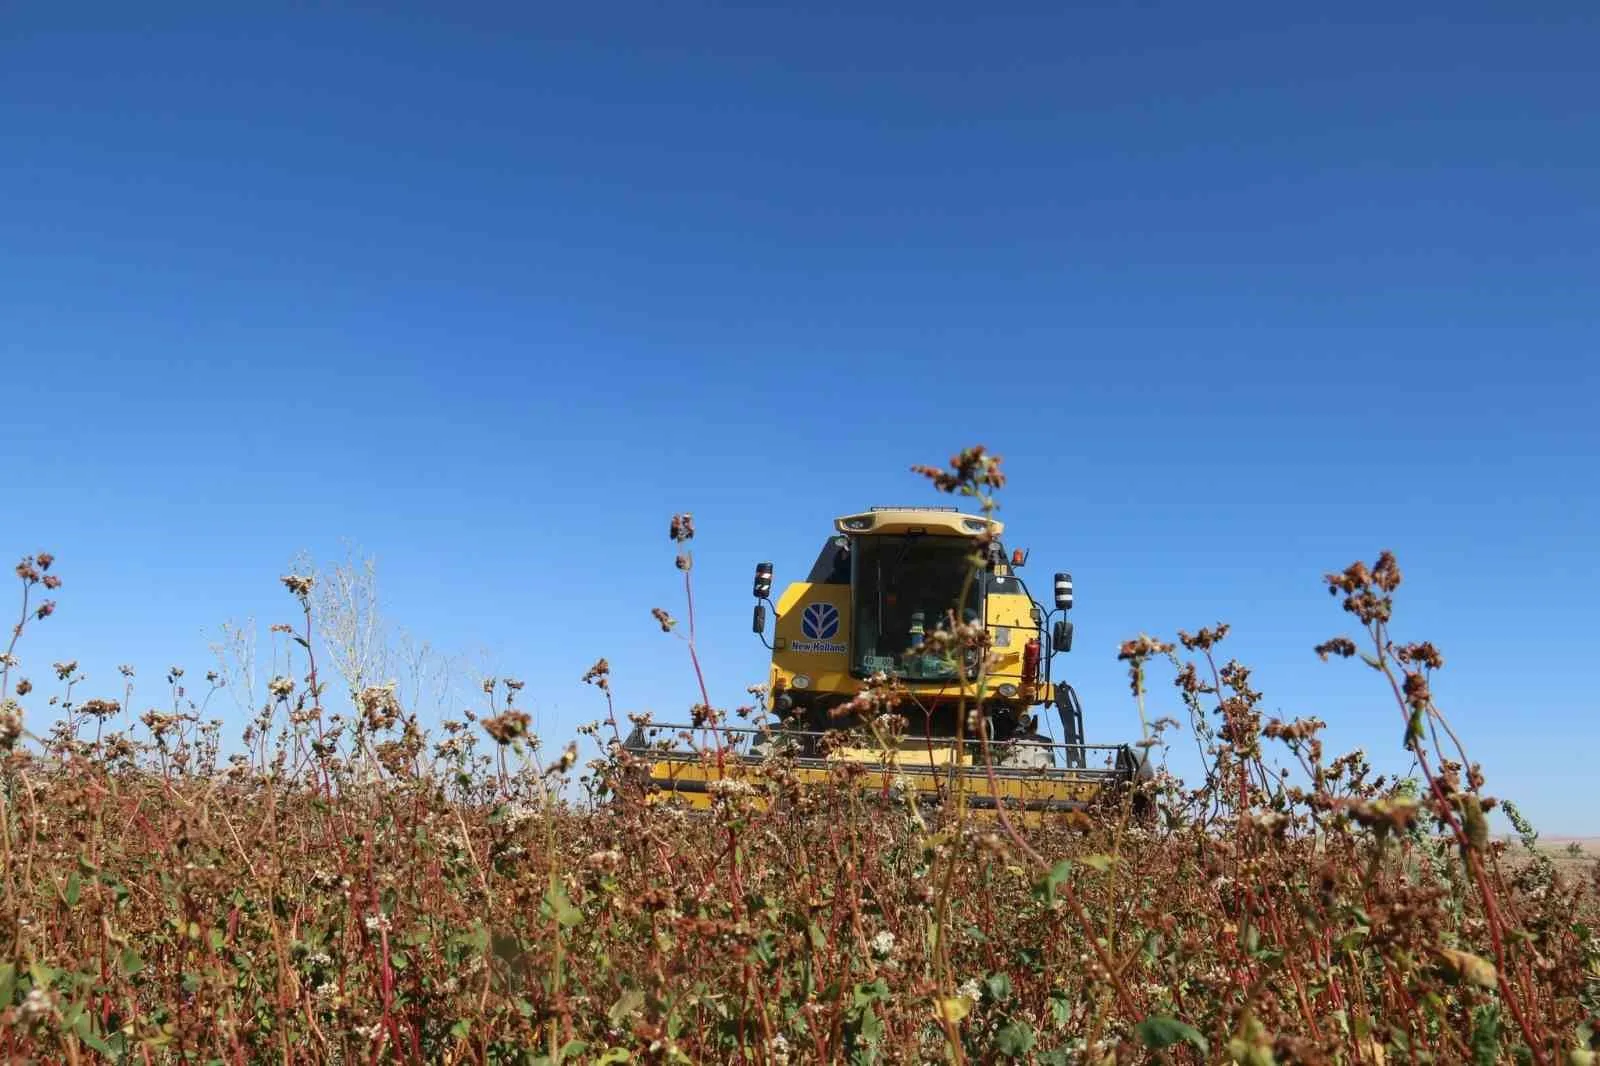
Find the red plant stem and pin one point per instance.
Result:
(700, 677)
(1129, 1004)
(1474, 861)
(733, 840)
(316, 702)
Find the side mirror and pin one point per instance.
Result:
(1063, 592)
(758, 621)
(1061, 639)
(763, 585)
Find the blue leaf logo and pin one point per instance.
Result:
(820, 621)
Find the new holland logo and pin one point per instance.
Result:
(819, 622)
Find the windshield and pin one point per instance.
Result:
(905, 588)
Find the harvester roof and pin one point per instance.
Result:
(934, 521)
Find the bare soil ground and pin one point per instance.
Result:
(1561, 851)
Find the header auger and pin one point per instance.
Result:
(878, 659)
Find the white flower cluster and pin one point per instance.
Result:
(609, 859)
(520, 812)
(36, 1007)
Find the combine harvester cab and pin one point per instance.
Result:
(870, 613)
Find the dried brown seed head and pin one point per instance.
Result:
(299, 584)
(1343, 647)
(507, 727)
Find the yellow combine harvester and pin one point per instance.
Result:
(879, 605)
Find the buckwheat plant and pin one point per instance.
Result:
(345, 881)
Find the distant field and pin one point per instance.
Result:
(1591, 845)
(1559, 851)
(1558, 848)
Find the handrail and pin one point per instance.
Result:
(912, 739)
(1070, 758)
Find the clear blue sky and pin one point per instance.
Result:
(1241, 294)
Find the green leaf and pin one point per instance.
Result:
(8, 983)
(1046, 889)
(1160, 1031)
(631, 1001)
(1060, 1009)
(558, 906)
(1014, 1039)
(1485, 1035)
(762, 950)
(999, 986)
(83, 1029)
(612, 1055)
(871, 1028)
(572, 1049)
(506, 948)
(131, 962)
(868, 993)
(1413, 729)
(1097, 862)
(461, 1028)
(74, 888)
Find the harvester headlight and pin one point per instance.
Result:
(975, 525)
(858, 524)
(800, 681)
(1007, 690)
(763, 585)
